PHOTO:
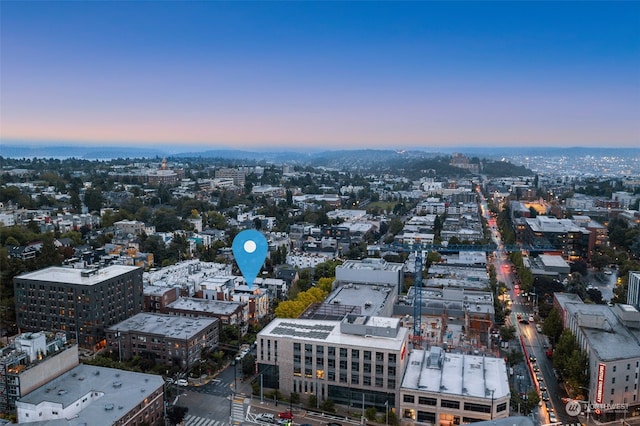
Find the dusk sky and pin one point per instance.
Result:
(332, 75)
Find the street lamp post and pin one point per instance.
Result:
(261, 394)
(386, 413)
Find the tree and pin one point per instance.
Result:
(515, 357)
(326, 269)
(248, 365)
(176, 414)
(395, 226)
(93, 199)
(552, 326)
(325, 284)
(507, 332)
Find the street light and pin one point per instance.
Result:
(261, 395)
(386, 412)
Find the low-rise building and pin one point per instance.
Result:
(228, 313)
(96, 396)
(167, 339)
(30, 361)
(157, 298)
(443, 388)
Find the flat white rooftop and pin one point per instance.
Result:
(57, 274)
(457, 374)
(328, 332)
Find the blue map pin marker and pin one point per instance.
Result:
(250, 250)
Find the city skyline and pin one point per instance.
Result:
(334, 75)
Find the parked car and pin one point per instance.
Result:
(182, 382)
(288, 415)
(266, 418)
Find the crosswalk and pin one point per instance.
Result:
(190, 420)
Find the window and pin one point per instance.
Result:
(379, 369)
(613, 391)
(628, 366)
(366, 381)
(392, 358)
(423, 400)
(450, 404)
(331, 376)
(391, 384)
(355, 379)
(355, 353)
(343, 377)
(343, 352)
(501, 407)
(367, 355)
(408, 398)
(367, 368)
(355, 366)
(343, 364)
(426, 417)
(480, 408)
(613, 380)
(627, 379)
(379, 382)
(379, 356)
(614, 368)
(331, 351)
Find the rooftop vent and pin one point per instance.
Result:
(109, 407)
(62, 392)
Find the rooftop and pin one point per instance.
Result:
(609, 338)
(57, 274)
(435, 370)
(113, 393)
(329, 332)
(173, 326)
(371, 298)
(219, 307)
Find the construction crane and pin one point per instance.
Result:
(417, 300)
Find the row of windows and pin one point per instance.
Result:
(628, 367)
(468, 406)
(343, 353)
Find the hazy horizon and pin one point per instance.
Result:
(321, 75)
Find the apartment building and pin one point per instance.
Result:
(81, 303)
(166, 339)
(610, 336)
(31, 360)
(358, 361)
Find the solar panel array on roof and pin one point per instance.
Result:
(319, 331)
